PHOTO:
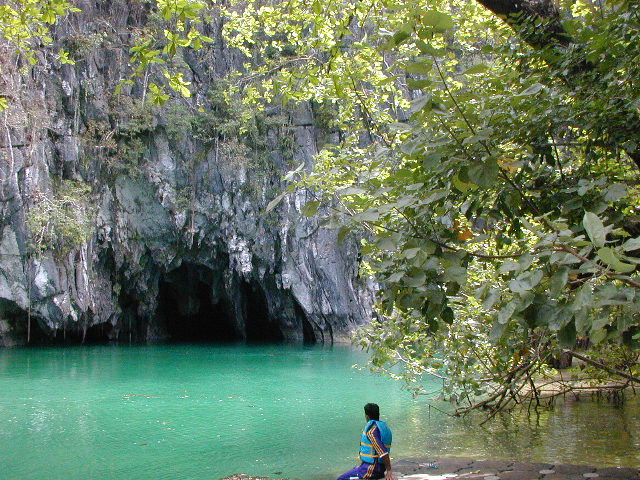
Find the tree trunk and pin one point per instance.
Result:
(537, 22)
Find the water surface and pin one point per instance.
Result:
(203, 412)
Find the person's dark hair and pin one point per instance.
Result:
(372, 410)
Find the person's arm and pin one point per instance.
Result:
(388, 474)
(382, 451)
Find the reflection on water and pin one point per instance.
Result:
(574, 432)
(202, 412)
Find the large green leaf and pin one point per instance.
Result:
(615, 192)
(425, 101)
(438, 21)
(559, 280)
(608, 256)
(631, 244)
(497, 331)
(455, 274)
(484, 174)
(492, 297)
(421, 68)
(370, 215)
(387, 243)
(547, 315)
(583, 298)
(477, 68)
(310, 208)
(508, 266)
(582, 321)
(410, 253)
(463, 187)
(525, 281)
(415, 278)
(595, 228)
(418, 84)
(273, 203)
(395, 277)
(507, 312)
(531, 90)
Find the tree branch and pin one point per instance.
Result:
(539, 24)
(602, 366)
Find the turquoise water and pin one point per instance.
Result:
(203, 412)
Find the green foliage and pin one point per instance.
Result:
(121, 144)
(27, 23)
(227, 117)
(496, 186)
(82, 44)
(179, 118)
(157, 48)
(64, 221)
(234, 130)
(612, 356)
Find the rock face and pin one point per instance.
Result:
(125, 224)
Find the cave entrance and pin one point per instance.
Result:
(189, 310)
(258, 325)
(14, 324)
(19, 329)
(132, 326)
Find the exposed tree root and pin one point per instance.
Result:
(524, 386)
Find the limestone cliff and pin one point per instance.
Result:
(129, 223)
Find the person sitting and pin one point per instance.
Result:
(375, 445)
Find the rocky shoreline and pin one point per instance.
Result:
(430, 468)
(469, 469)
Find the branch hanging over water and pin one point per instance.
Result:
(602, 366)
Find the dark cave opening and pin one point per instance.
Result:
(132, 325)
(23, 329)
(16, 322)
(35, 335)
(188, 311)
(258, 327)
(78, 334)
(32, 332)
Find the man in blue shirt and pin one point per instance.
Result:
(375, 444)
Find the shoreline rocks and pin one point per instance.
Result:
(449, 468)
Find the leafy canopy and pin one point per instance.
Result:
(26, 24)
(493, 182)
